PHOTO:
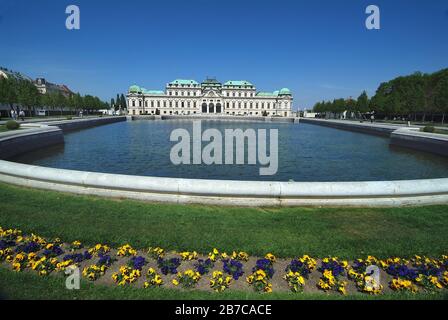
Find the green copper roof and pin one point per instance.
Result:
(155, 92)
(266, 94)
(134, 89)
(183, 81)
(238, 83)
(285, 91)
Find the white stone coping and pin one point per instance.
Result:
(415, 132)
(27, 130)
(226, 187)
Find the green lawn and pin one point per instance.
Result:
(286, 232)
(30, 286)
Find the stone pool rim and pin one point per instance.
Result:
(204, 191)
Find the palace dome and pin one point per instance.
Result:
(134, 89)
(285, 91)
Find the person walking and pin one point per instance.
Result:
(13, 114)
(372, 118)
(22, 115)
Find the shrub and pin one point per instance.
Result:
(429, 129)
(12, 125)
(69, 118)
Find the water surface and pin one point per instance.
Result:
(306, 153)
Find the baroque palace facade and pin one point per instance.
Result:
(188, 97)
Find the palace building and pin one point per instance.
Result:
(188, 97)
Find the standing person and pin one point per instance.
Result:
(22, 115)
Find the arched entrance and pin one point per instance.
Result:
(204, 108)
(218, 108)
(211, 108)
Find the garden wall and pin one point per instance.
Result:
(428, 142)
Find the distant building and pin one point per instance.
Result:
(45, 87)
(309, 114)
(42, 85)
(186, 97)
(8, 74)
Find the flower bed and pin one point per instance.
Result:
(297, 271)
(168, 266)
(369, 276)
(219, 282)
(333, 271)
(233, 268)
(153, 279)
(187, 279)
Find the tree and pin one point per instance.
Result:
(118, 102)
(60, 101)
(123, 102)
(362, 103)
(440, 93)
(8, 92)
(77, 102)
(350, 105)
(28, 95)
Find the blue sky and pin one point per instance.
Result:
(319, 49)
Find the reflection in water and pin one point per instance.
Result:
(47, 152)
(306, 153)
